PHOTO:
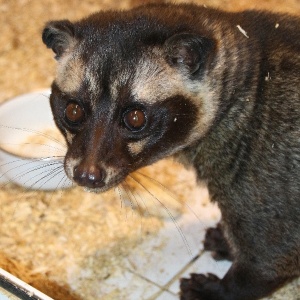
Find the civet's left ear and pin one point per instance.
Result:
(59, 36)
(187, 51)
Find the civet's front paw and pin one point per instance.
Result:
(201, 287)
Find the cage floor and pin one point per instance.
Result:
(153, 268)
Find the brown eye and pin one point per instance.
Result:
(74, 112)
(135, 119)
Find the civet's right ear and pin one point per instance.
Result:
(59, 36)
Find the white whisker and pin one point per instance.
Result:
(169, 213)
(165, 189)
(131, 203)
(40, 133)
(119, 193)
(47, 176)
(143, 202)
(131, 194)
(36, 144)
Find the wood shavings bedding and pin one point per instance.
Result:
(60, 234)
(41, 282)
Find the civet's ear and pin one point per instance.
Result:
(187, 51)
(59, 36)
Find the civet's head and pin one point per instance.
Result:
(130, 89)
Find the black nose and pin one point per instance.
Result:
(87, 175)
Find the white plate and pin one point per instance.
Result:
(30, 156)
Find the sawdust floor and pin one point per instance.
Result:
(74, 245)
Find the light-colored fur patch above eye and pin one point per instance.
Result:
(155, 80)
(93, 81)
(70, 73)
(137, 147)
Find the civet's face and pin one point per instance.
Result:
(126, 95)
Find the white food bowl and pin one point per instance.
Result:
(31, 147)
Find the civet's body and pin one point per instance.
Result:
(221, 92)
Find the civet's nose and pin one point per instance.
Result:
(89, 175)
